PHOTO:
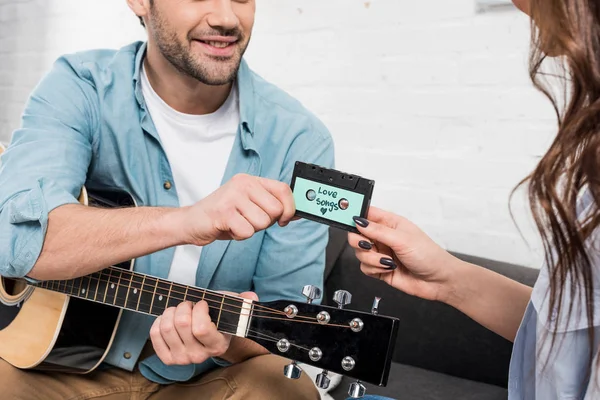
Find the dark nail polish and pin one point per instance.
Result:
(388, 262)
(363, 244)
(361, 221)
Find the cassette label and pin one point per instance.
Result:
(329, 196)
(330, 202)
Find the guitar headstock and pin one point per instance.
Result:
(351, 343)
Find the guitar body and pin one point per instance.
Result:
(47, 330)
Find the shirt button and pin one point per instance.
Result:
(167, 185)
(127, 355)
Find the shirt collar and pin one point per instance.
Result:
(245, 82)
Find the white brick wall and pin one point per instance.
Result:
(429, 98)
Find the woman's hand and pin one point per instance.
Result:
(393, 249)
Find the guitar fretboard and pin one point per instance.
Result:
(149, 295)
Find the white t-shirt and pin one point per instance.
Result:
(198, 148)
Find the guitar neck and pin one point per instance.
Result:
(149, 295)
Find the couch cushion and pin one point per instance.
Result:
(408, 382)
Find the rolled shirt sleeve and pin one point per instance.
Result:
(46, 163)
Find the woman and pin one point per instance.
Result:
(553, 325)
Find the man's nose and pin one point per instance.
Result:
(222, 15)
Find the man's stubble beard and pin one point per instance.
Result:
(181, 58)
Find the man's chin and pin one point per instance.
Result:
(215, 73)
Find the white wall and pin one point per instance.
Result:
(427, 97)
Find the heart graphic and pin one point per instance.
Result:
(323, 210)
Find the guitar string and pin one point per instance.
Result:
(213, 307)
(234, 299)
(233, 307)
(174, 284)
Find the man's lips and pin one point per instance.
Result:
(221, 46)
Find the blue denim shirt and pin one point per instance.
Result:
(86, 123)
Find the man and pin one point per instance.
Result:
(206, 148)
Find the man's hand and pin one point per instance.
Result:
(185, 335)
(244, 205)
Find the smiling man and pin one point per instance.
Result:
(206, 148)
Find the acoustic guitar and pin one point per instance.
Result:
(69, 325)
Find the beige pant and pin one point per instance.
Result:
(257, 378)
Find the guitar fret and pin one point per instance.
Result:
(146, 297)
(86, 291)
(128, 290)
(110, 294)
(170, 296)
(174, 297)
(137, 306)
(122, 290)
(73, 290)
(118, 286)
(220, 311)
(153, 296)
(161, 296)
(101, 286)
(107, 284)
(133, 291)
(93, 286)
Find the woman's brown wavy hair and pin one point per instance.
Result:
(569, 32)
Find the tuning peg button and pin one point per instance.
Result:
(292, 371)
(375, 307)
(311, 293)
(322, 380)
(342, 297)
(357, 390)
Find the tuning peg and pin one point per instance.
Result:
(311, 293)
(292, 371)
(342, 297)
(322, 380)
(357, 390)
(375, 308)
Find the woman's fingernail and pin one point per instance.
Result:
(363, 244)
(388, 262)
(361, 221)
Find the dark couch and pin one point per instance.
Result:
(440, 353)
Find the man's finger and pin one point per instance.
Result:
(285, 196)
(158, 343)
(205, 331)
(239, 227)
(256, 215)
(183, 323)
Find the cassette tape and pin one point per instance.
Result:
(329, 196)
